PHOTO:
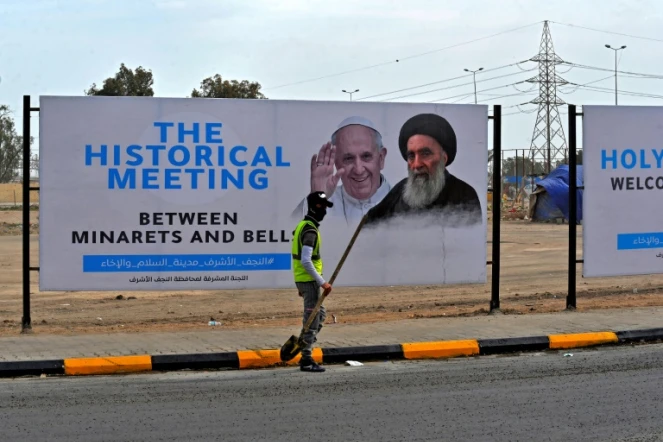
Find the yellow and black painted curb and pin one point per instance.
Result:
(252, 359)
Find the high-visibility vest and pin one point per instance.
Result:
(300, 273)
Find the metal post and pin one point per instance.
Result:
(524, 171)
(548, 139)
(615, 51)
(474, 80)
(517, 180)
(26, 322)
(497, 207)
(573, 209)
(615, 78)
(500, 184)
(350, 93)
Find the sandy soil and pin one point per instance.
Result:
(533, 280)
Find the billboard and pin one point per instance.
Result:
(144, 193)
(623, 172)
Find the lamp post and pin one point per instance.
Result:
(474, 79)
(347, 92)
(615, 49)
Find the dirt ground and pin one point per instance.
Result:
(533, 280)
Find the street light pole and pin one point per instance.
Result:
(615, 49)
(347, 92)
(474, 80)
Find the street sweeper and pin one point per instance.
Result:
(308, 270)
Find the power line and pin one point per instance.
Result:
(403, 58)
(596, 68)
(444, 81)
(577, 86)
(517, 94)
(606, 32)
(591, 89)
(462, 98)
(585, 84)
(517, 113)
(519, 104)
(489, 89)
(495, 97)
(451, 87)
(454, 46)
(414, 87)
(621, 92)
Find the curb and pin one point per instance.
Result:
(269, 358)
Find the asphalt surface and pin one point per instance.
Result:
(606, 394)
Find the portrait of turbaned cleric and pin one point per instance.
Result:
(428, 145)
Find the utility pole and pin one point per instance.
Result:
(548, 126)
(474, 79)
(356, 90)
(615, 49)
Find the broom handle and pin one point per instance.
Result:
(314, 313)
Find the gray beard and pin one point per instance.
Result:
(421, 190)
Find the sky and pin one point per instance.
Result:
(404, 51)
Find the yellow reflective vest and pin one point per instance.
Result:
(300, 273)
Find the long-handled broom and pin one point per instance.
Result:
(294, 345)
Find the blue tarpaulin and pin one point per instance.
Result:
(555, 199)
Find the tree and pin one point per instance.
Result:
(566, 160)
(216, 87)
(34, 163)
(126, 83)
(11, 147)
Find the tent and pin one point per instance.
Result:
(514, 184)
(550, 199)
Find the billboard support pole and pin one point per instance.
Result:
(497, 207)
(573, 209)
(26, 322)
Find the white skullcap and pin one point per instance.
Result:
(357, 120)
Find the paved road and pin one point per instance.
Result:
(609, 394)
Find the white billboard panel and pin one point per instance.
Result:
(623, 195)
(144, 193)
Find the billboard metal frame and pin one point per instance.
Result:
(26, 322)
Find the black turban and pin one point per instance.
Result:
(435, 127)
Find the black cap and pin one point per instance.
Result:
(318, 199)
(433, 125)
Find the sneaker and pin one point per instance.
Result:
(311, 366)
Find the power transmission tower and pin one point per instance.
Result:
(548, 140)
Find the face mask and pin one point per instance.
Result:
(318, 213)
